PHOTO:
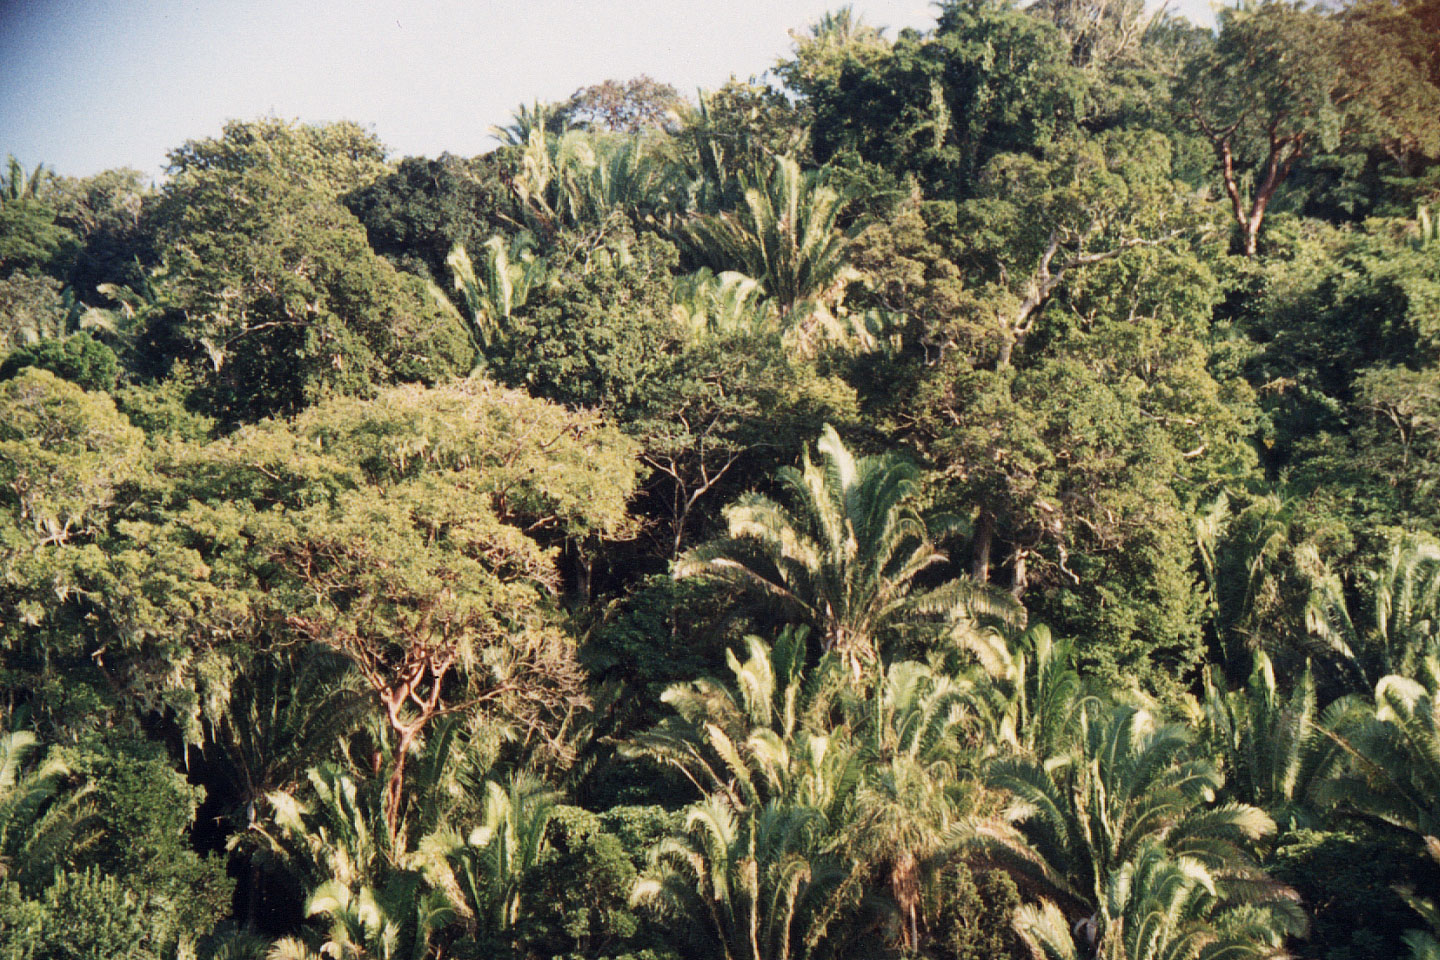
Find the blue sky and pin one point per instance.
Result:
(91, 84)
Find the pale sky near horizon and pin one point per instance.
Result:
(95, 84)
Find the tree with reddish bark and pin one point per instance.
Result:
(416, 534)
(1284, 82)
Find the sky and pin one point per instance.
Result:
(95, 84)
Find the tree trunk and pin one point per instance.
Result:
(584, 569)
(1020, 574)
(1284, 151)
(1007, 350)
(252, 892)
(395, 786)
(980, 550)
(679, 514)
(905, 883)
(395, 697)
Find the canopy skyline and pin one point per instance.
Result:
(426, 78)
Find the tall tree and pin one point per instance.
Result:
(332, 158)
(1283, 82)
(275, 298)
(416, 215)
(1077, 358)
(621, 107)
(410, 546)
(990, 78)
(1037, 225)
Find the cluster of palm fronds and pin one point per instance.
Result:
(1136, 831)
(770, 244)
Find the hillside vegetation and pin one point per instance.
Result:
(967, 494)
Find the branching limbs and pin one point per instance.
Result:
(432, 644)
(1047, 277)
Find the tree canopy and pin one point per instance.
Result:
(968, 492)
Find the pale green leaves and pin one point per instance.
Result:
(508, 273)
(846, 559)
(786, 235)
(730, 303)
(63, 454)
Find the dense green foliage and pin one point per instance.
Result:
(970, 494)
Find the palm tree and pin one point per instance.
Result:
(620, 175)
(745, 884)
(1275, 752)
(540, 118)
(16, 185)
(285, 710)
(337, 836)
(1258, 571)
(786, 235)
(705, 158)
(707, 304)
(1405, 597)
(847, 558)
(744, 740)
(759, 870)
(369, 885)
(484, 871)
(508, 273)
(1164, 908)
(1407, 605)
(42, 824)
(839, 28)
(918, 797)
(911, 797)
(1085, 820)
(392, 923)
(136, 308)
(1394, 775)
(538, 182)
(915, 712)
(1395, 749)
(575, 180)
(1028, 697)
